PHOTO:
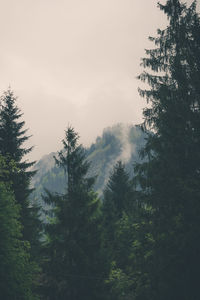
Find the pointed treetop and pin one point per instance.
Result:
(173, 8)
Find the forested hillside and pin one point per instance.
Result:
(120, 142)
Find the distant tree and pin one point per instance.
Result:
(119, 191)
(12, 137)
(117, 199)
(73, 239)
(120, 212)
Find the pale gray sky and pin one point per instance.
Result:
(75, 62)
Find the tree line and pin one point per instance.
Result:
(142, 239)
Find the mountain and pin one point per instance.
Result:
(119, 142)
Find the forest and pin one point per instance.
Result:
(129, 232)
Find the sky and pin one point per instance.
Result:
(75, 62)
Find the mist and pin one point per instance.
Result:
(75, 62)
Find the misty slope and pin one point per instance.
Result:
(120, 142)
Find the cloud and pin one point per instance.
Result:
(75, 62)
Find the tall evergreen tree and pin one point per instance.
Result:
(12, 137)
(170, 177)
(74, 270)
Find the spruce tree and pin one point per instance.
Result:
(120, 212)
(12, 137)
(118, 190)
(17, 272)
(118, 200)
(73, 263)
(170, 176)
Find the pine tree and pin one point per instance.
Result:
(118, 190)
(118, 199)
(170, 176)
(120, 212)
(17, 272)
(73, 263)
(12, 137)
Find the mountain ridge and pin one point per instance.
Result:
(118, 142)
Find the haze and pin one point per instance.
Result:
(75, 62)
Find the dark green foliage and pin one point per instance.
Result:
(17, 272)
(118, 192)
(120, 210)
(118, 198)
(142, 241)
(170, 178)
(12, 138)
(161, 242)
(73, 266)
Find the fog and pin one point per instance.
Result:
(75, 62)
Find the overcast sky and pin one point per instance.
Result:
(75, 62)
